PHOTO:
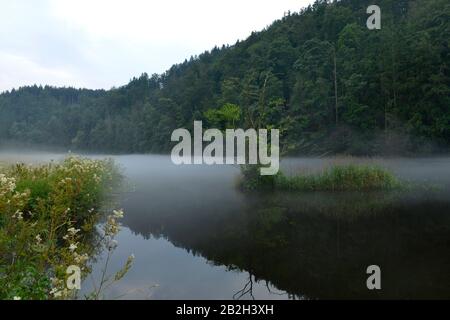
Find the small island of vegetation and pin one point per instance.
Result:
(345, 177)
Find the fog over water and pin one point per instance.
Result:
(195, 235)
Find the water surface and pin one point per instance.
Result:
(196, 236)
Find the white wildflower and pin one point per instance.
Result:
(118, 214)
(111, 227)
(18, 215)
(81, 259)
(7, 184)
(73, 231)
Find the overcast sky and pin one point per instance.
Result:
(104, 43)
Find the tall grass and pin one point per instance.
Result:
(340, 178)
(336, 178)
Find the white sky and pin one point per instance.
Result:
(104, 43)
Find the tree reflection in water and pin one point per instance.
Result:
(319, 245)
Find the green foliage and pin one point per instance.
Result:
(393, 88)
(252, 180)
(39, 189)
(341, 178)
(47, 217)
(226, 117)
(335, 178)
(26, 282)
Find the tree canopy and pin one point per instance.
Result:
(319, 75)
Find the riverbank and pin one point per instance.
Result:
(48, 214)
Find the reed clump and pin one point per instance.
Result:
(349, 177)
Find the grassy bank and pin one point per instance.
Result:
(47, 223)
(336, 178)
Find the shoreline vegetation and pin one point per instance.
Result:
(48, 222)
(336, 178)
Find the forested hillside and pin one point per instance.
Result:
(320, 76)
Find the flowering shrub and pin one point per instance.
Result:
(47, 223)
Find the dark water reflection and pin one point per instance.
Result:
(282, 246)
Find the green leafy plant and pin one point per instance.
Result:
(48, 215)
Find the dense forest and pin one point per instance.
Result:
(321, 76)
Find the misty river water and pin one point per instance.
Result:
(195, 235)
